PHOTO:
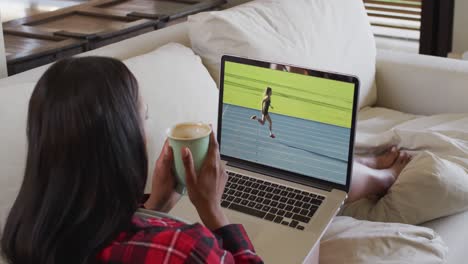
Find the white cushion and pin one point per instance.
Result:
(177, 88)
(360, 242)
(412, 83)
(333, 35)
(14, 101)
(454, 231)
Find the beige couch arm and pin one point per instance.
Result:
(421, 84)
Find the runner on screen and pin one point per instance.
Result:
(266, 104)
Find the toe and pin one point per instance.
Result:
(401, 158)
(409, 157)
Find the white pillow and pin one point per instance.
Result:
(14, 101)
(360, 242)
(333, 35)
(429, 187)
(177, 88)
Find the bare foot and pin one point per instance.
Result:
(382, 161)
(400, 163)
(387, 177)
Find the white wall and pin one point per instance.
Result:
(460, 27)
(3, 66)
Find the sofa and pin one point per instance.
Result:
(407, 83)
(3, 65)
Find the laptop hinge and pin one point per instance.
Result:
(282, 176)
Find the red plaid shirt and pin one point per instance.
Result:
(163, 240)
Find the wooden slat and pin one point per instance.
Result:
(395, 17)
(394, 26)
(27, 31)
(407, 10)
(45, 15)
(164, 10)
(202, 5)
(105, 13)
(410, 2)
(393, 10)
(392, 4)
(40, 47)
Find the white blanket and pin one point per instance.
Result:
(434, 184)
(360, 242)
(441, 134)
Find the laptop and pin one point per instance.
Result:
(286, 134)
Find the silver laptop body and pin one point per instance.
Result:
(286, 189)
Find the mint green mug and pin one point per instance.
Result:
(196, 137)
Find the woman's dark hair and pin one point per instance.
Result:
(86, 165)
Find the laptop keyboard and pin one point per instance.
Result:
(273, 202)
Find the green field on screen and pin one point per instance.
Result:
(296, 95)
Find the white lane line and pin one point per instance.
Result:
(319, 143)
(284, 131)
(287, 150)
(225, 108)
(280, 124)
(326, 148)
(237, 111)
(337, 164)
(300, 167)
(237, 126)
(290, 155)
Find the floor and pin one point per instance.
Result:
(21, 8)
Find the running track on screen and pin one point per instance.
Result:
(306, 147)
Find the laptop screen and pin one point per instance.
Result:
(288, 118)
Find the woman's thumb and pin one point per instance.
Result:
(188, 165)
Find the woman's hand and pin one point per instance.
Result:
(206, 188)
(163, 196)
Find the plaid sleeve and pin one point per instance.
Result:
(208, 249)
(235, 240)
(160, 240)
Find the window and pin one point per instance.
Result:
(423, 26)
(396, 22)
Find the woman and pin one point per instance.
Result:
(266, 104)
(85, 175)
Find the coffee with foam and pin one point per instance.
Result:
(186, 131)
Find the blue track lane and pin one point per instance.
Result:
(302, 146)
